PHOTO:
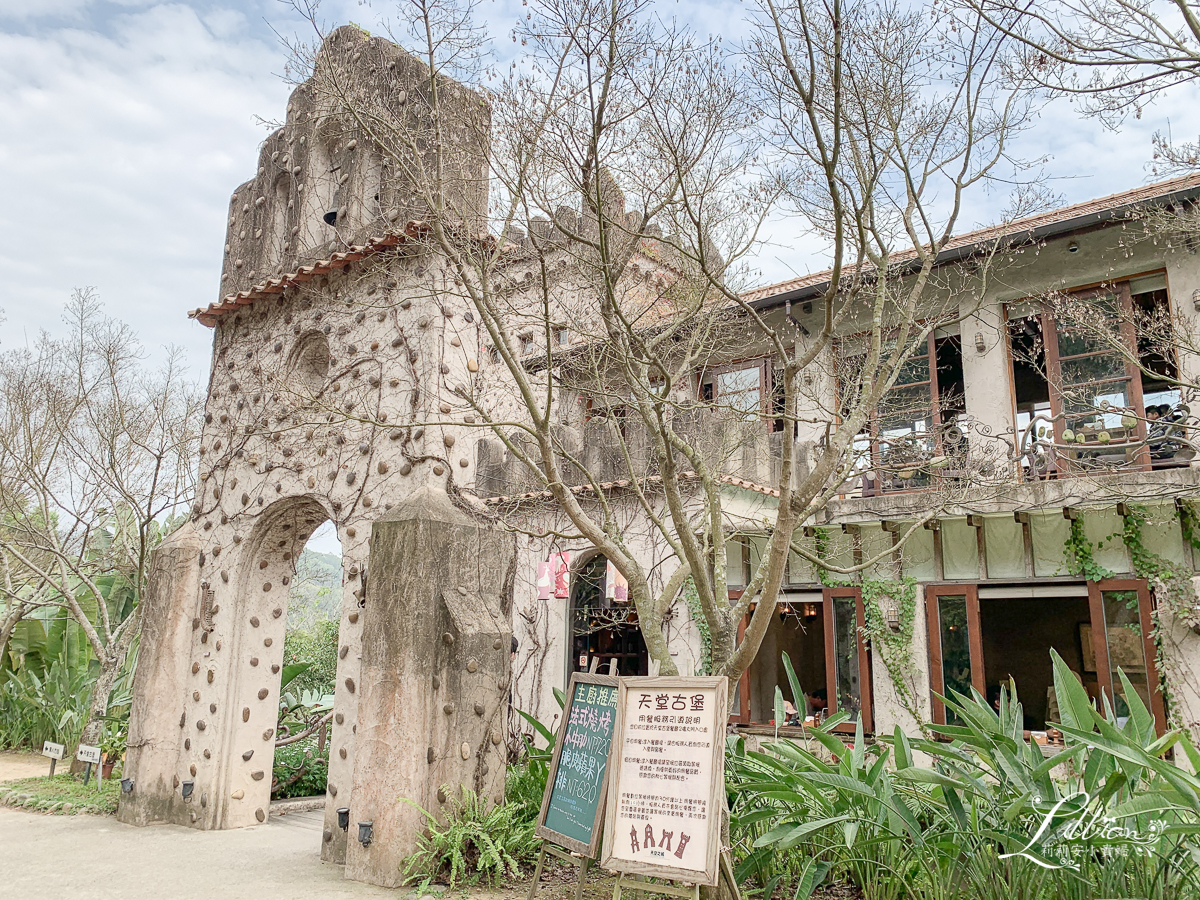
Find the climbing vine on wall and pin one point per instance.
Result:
(692, 598)
(894, 647)
(1081, 556)
(1171, 583)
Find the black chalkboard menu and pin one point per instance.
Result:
(575, 788)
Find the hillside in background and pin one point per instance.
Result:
(315, 595)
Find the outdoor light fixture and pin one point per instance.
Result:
(186, 788)
(1196, 299)
(1073, 247)
(893, 618)
(344, 818)
(364, 833)
(126, 785)
(980, 344)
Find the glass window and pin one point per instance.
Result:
(956, 645)
(740, 389)
(1126, 649)
(845, 659)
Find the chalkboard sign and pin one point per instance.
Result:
(575, 788)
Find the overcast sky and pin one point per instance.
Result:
(125, 125)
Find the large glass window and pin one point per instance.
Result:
(1093, 382)
(602, 627)
(848, 671)
(913, 433)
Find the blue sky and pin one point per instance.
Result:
(124, 126)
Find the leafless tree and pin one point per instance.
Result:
(632, 167)
(96, 457)
(1114, 56)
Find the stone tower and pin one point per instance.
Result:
(334, 373)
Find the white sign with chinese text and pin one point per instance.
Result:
(667, 780)
(88, 754)
(53, 750)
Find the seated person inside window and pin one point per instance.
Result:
(818, 700)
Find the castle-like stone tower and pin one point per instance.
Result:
(337, 353)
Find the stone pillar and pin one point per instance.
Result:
(435, 675)
(155, 735)
(987, 380)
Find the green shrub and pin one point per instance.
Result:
(301, 757)
(478, 842)
(989, 818)
(317, 646)
(50, 705)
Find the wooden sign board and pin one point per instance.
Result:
(53, 750)
(666, 787)
(575, 787)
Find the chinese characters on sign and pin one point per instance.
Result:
(663, 805)
(579, 772)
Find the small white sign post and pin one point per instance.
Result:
(55, 752)
(666, 788)
(91, 756)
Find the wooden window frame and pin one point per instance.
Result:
(864, 661)
(1096, 591)
(933, 625)
(935, 411)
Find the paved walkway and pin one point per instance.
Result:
(98, 858)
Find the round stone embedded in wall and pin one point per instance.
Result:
(200, 726)
(245, 714)
(195, 668)
(463, 462)
(207, 753)
(262, 694)
(327, 835)
(342, 752)
(192, 769)
(350, 685)
(353, 617)
(187, 744)
(441, 795)
(212, 707)
(196, 696)
(496, 738)
(479, 709)
(447, 638)
(266, 586)
(246, 756)
(472, 666)
(258, 776)
(342, 653)
(254, 660)
(339, 718)
(430, 756)
(260, 815)
(211, 676)
(276, 612)
(448, 709)
(274, 669)
(438, 470)
(332, 790)
(497, 644)
(254, 621)
(437, 682)
(267, 642)
(268, 734)
(465, 750)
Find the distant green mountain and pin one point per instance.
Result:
(316, 591)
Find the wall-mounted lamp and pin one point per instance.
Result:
(893, 618)
(810, 610)
(364, 833)
(186, 789)
(1073, 247)
(1196, 299)
(980, 343)
(126, 785)
(344, 818)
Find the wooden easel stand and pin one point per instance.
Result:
(582, 861)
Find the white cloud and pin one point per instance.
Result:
(124, 127)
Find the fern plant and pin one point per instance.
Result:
(478, 841)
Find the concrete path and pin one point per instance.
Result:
(98, 858)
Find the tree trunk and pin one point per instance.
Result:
(110, 667)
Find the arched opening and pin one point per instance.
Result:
(309, 674)
(308, 365)
(602, 626)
